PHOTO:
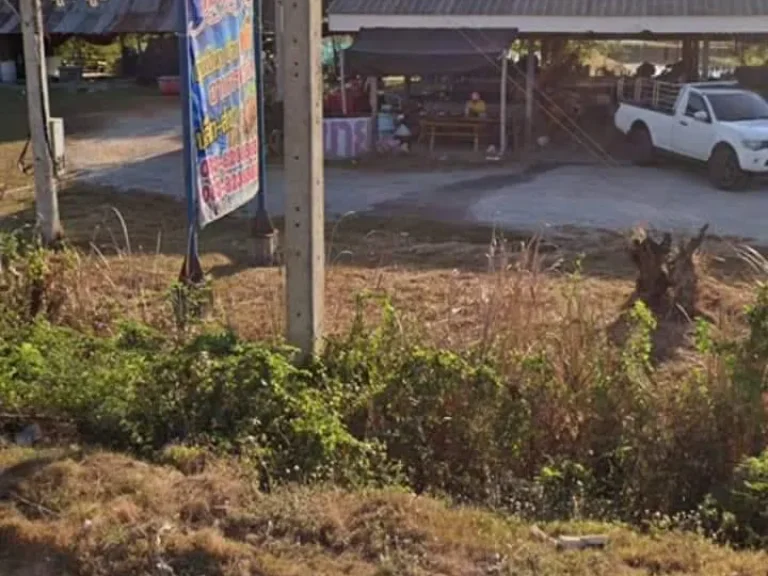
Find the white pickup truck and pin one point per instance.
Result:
(720, 124)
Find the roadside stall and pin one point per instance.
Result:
(463, 60)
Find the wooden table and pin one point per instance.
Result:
(455, 127)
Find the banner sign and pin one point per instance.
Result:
(222, 87)
(345, 138)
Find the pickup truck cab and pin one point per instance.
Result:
(720, 124)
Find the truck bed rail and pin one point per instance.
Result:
(647, 93)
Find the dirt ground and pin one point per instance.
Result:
(565, 186)
(128, 138)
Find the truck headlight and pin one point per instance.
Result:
(755, 145)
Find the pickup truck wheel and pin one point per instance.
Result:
(725, 171)
(643, 152)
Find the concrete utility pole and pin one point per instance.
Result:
(304, 251)
(46, 194)
(279, 51)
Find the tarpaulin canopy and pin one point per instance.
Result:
(410, 52)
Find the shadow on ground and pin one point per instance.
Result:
(111, 223)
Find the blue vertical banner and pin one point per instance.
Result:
(222, 88)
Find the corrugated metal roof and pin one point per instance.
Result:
(108, 16)
(604, 8)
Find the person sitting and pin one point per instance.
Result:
(475, 107)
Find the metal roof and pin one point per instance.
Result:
(102, 18)
(107, 17)
(557, 8)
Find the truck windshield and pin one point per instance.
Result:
(737, 106)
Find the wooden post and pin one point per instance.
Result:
(503, 103)
(530, 80)
(304, 211)
(46, 195)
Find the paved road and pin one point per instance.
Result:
(143, 153)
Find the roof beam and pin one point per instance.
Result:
(567, 25)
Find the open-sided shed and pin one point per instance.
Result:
(695, 22)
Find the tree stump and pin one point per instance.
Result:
(667, 279)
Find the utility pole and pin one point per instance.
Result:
(279, 51)
(304, 211)
(46, 194)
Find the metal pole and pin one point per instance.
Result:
(343, 74)
(46, 193)
(279, 51)
(304, 211)
(503, 104)
(264, 233)
(373, 101)
(530, 80)
(192, 271)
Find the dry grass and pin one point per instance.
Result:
(99, 513)
(448, 281)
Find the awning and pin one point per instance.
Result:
(394, 52)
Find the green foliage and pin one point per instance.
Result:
(574, 424)
(564, 488)
(739, 513)
(32, 279)
(190, 303)
(748, 501)
(214, 390)
(76, 50)
(436, 411)
(639, 346)
(753, 352)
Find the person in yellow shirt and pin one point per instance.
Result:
(475, 107)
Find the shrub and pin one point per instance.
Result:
(742, 511)
(139, 392)
(570, 421)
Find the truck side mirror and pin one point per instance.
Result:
(701, 116)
